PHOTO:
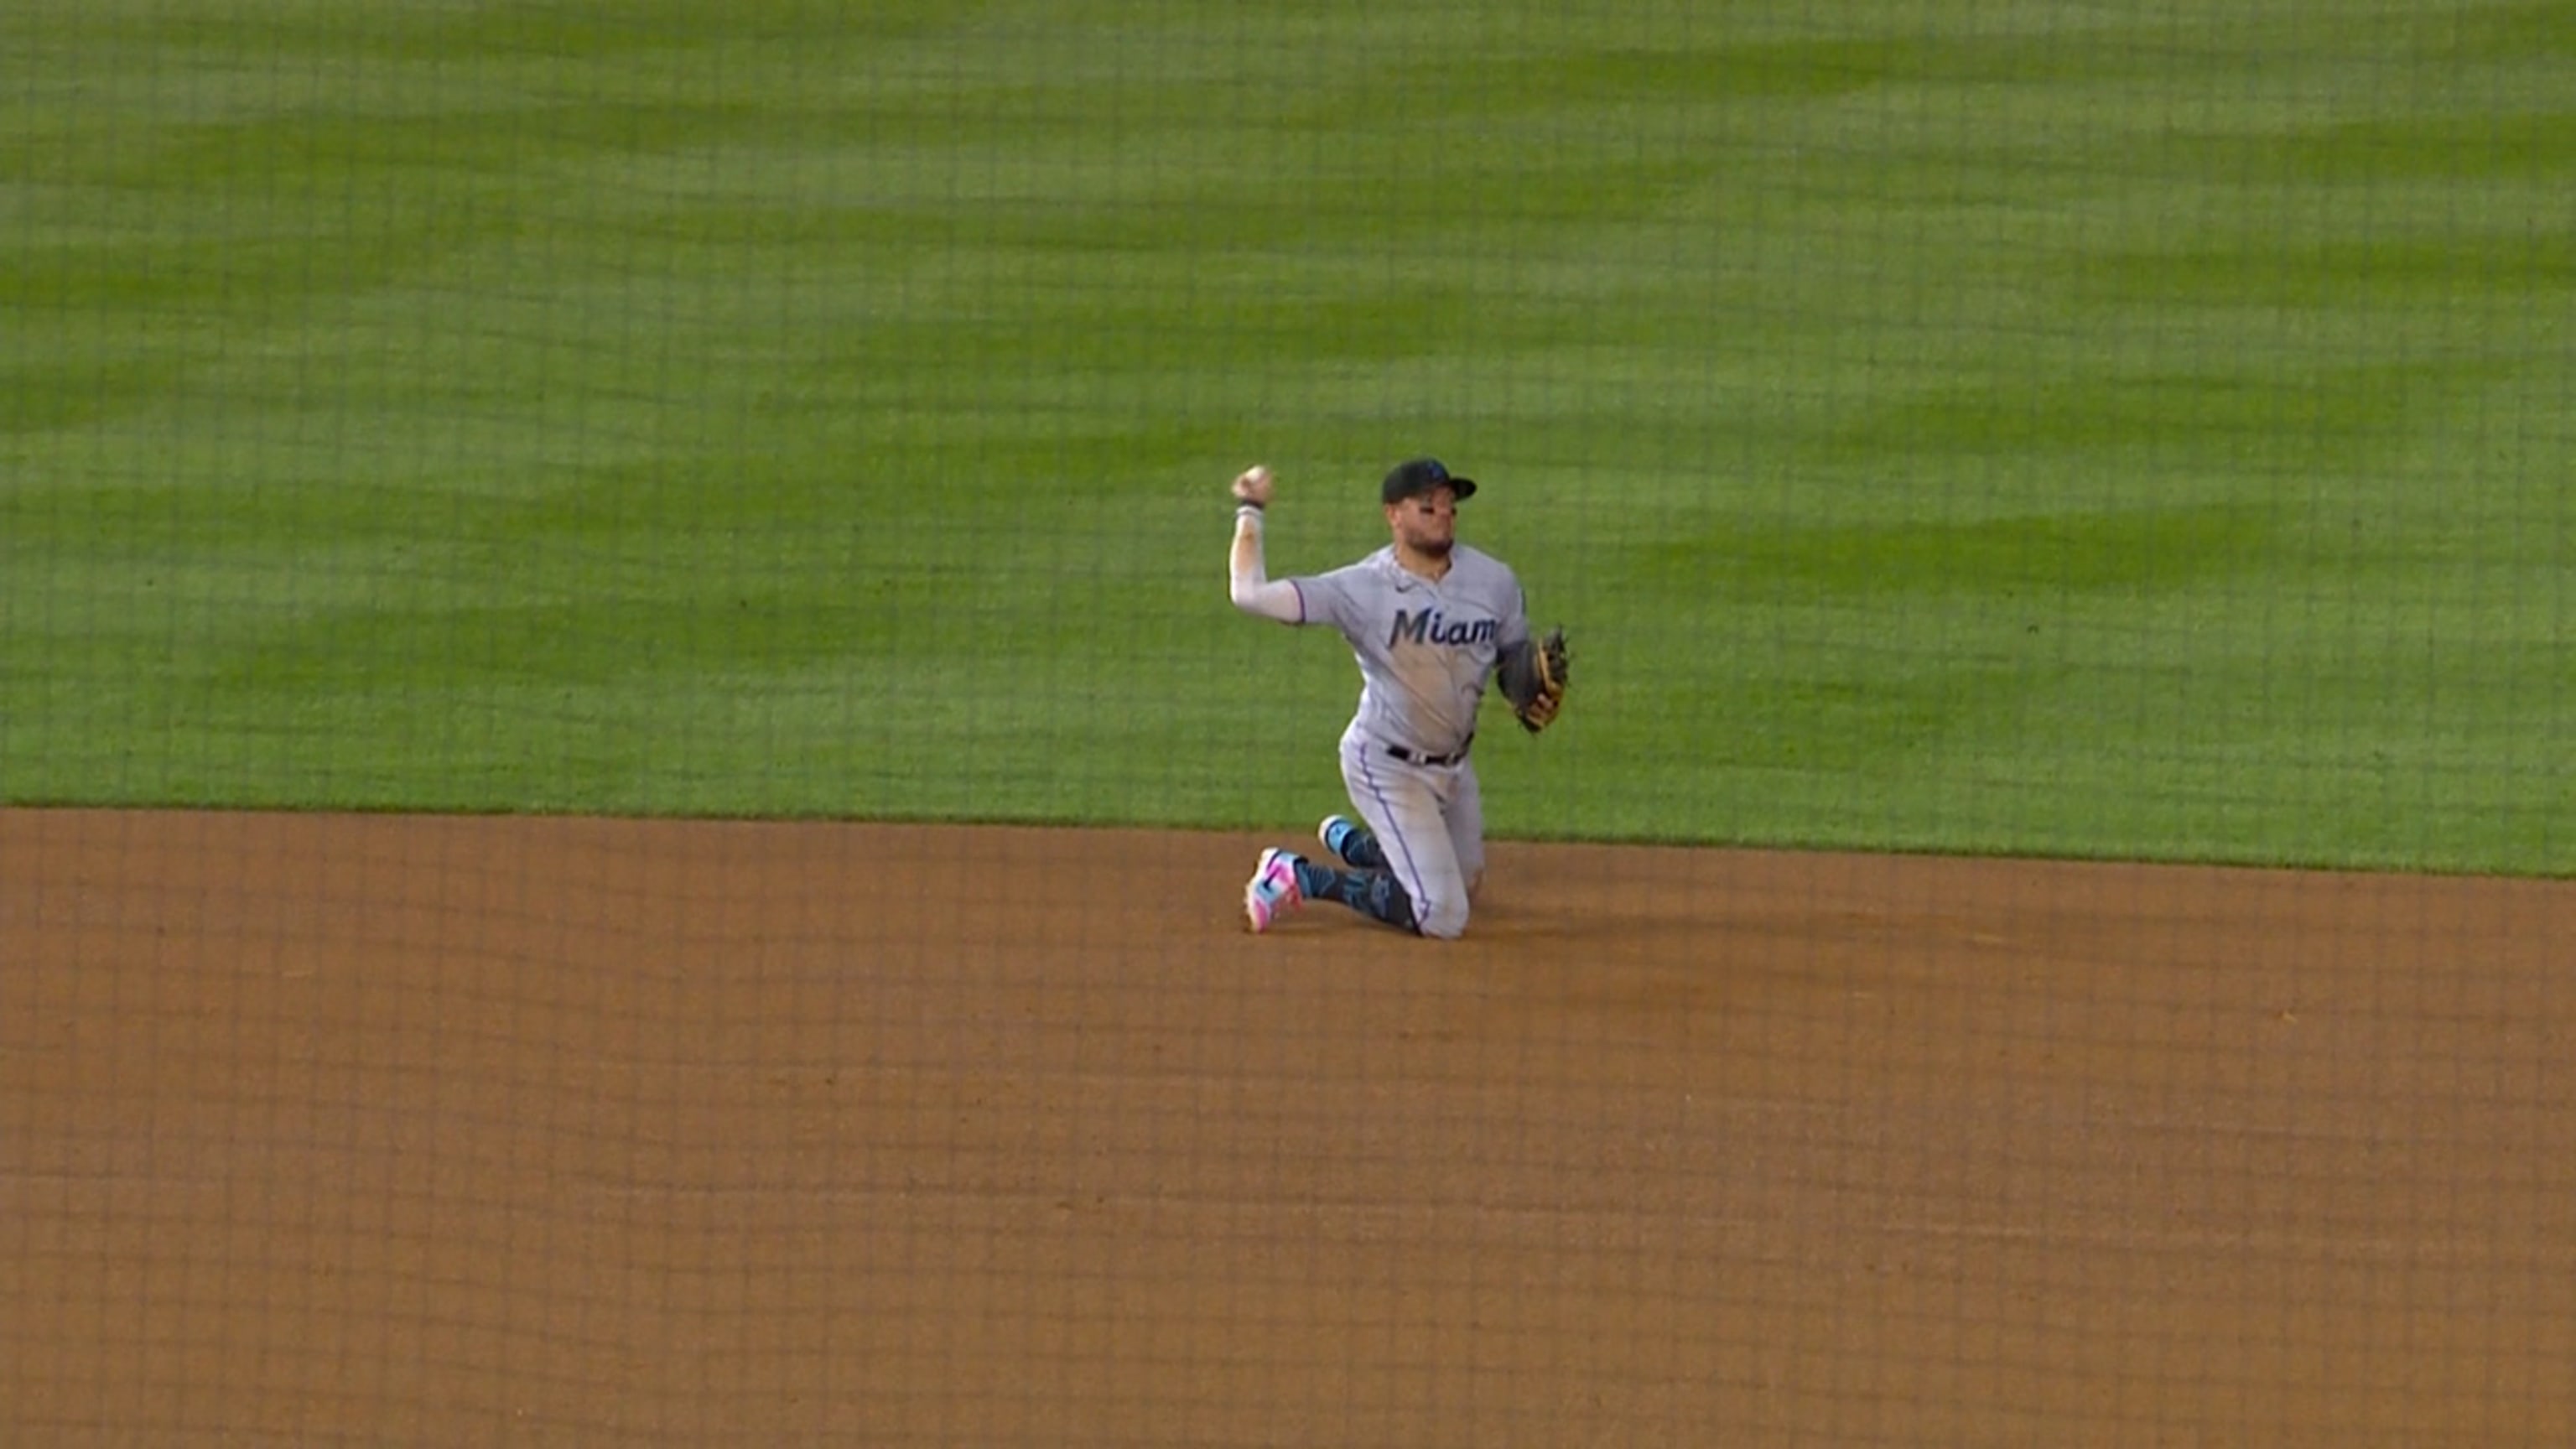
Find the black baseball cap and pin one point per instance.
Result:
(1421, 475)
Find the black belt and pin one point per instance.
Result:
(1416, 757)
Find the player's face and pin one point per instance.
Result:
(1426, 522)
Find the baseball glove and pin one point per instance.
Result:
(1531, 671)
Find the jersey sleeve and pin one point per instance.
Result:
(1515, 629)
(1322, 599)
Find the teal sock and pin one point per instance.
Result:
(1353, 843)
(1375, 894)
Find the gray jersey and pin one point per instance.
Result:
(1425, 649)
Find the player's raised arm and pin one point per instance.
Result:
(1248, 578)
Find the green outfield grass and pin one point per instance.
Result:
(1996, 427)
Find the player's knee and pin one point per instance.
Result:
(1443, 920)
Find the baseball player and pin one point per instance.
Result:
(1430, 621)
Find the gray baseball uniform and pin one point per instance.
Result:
(1426, 650)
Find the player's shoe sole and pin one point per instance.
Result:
(1273, 891)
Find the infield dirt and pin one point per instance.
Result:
(454, 1131)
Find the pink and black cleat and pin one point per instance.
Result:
(1273, 892)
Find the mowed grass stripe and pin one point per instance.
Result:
(1955, 429)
